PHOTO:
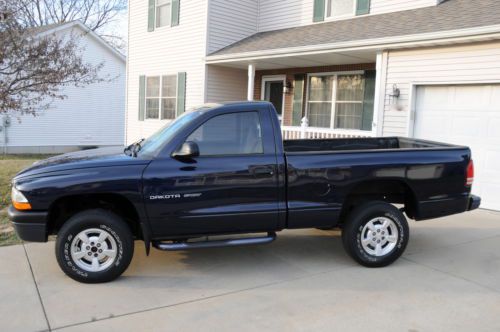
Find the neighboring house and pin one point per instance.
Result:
(420, 68)
(90, 116)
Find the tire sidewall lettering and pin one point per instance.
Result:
(69, 260)
(401, 236)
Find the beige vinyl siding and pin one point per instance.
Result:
(165, 51)
(454, 64)
(385, 6)
(226, 84)
(279, 14)
(231, 21)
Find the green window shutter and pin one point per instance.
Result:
(363, 7)
(319, 11)
(368, 100)
(151, 15)
(298, 96)
(175, 12)
(181, 93)
(142, 96)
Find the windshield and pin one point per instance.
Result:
(151, 145)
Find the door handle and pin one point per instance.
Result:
(263, 170)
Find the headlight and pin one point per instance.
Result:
(19, 201)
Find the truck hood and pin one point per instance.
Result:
(103, 157)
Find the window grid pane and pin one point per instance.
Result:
(319, 114)
(320, 88)
(152, 108)
(169, 86)
(349, 115)
(340, 8)
(153, 86)
(350, 88)
(163, 14)
(168, 107)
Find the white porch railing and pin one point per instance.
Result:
(306, 132)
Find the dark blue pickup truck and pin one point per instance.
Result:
(225, 170)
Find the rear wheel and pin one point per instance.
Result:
(94, 246)
(375, 234)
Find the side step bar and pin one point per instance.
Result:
(175, 246)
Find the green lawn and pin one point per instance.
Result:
(9, 166)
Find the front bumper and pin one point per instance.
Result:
(474, 202)
(29, 225)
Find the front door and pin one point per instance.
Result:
(231, 187)
(273, 93)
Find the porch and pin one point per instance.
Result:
(328, 95)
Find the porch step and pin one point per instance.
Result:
(234, 242)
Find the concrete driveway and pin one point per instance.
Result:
(448, 279)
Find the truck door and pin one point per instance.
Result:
(232, 186)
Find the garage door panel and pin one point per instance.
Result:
(465, 115)
(466, 126)
(492, 162)
(439, 96)
(435, 125)
(472, 97)
(494, 128)
(495, 97)
(489, 192)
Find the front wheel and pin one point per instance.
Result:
(94, 246)
(375, 234)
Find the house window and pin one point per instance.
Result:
(161, 97)
(163, 12)
(340, 8)
(337, 101)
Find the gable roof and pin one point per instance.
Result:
(52, 28)
(447, 16)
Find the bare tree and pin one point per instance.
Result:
(95, 14)
(34, 67)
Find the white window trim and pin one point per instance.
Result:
(334, 98)
(274, 78)
(156, 21)
(342, 17)
(160, 97)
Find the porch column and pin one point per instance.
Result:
(379, 98)
(251, 81)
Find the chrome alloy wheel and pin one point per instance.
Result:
(379, 236)
(93, 250)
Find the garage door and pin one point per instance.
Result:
(466, 115)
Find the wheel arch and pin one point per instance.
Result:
(65, 207)
(390, 191)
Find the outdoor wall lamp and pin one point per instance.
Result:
(396, 93)
(394, 97)
(288, 87)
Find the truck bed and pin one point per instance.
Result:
(353, 144)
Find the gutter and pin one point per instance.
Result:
(425, 39)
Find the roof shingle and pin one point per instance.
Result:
(449, 15)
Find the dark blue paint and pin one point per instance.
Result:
(303, 188)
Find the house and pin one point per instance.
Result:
(90, 116)
(343, 68)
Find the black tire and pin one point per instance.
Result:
(352, 233)
(102, 220)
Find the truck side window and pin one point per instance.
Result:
(229, 134)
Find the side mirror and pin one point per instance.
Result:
(187, 150)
